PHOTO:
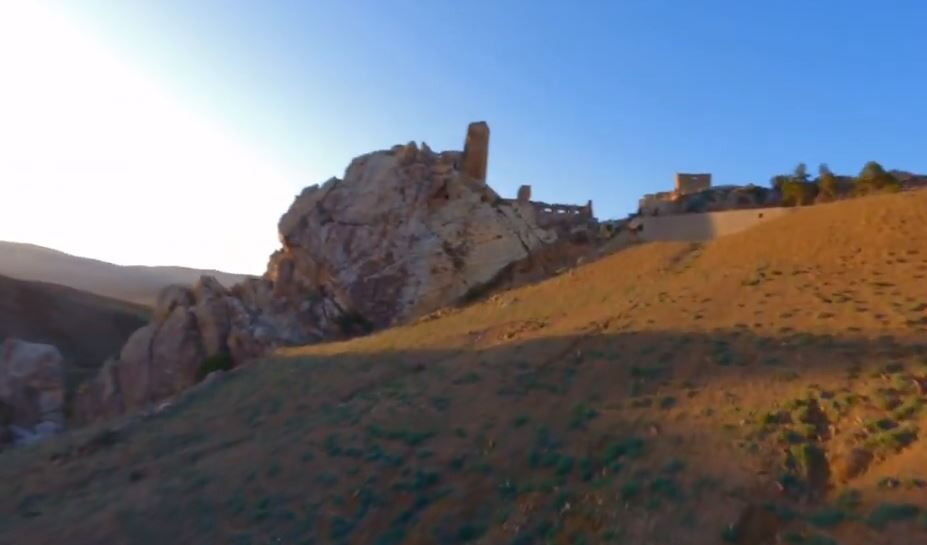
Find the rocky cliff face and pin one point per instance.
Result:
(405, 232)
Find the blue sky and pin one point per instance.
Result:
(586, 100)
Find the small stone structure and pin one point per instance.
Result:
(687, 184)
(667, 202)
(476, 151)
(657, 204)
(562, 217)
(549, 215)
(473, 164)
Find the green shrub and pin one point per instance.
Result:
(218, 362)
(354, 323)
(829, 516)
(885, 513)
(873, 178)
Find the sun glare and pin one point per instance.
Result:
(97, 158)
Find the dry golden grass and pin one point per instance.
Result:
(771, 380)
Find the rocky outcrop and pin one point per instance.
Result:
(188, 326)
(32, 391)
(406, 231)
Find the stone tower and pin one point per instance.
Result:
(687, 184)
(476, 151)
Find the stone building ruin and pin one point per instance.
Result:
(687, 184)
(562, 218)
(668, 202)
(559, 217)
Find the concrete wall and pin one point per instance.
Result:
(700, 227)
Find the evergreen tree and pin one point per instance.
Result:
(827, 183)
(874, 178)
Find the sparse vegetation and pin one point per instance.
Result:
(886, 513)
(218, 362)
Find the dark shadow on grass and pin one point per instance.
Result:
(431, 444)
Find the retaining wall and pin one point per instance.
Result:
(705, 226)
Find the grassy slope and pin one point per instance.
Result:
(87, 328)
(655, 396)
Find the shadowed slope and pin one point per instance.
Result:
(87, 328)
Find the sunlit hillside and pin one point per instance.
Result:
(134, 284)
(766, 387)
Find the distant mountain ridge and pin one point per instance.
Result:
(136, 284)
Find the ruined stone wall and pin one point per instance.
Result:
(687, 184)
(553, 216)
(476, 151)
(565, 215)
(657, 204)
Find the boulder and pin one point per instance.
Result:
(176, 354)
(32, 389)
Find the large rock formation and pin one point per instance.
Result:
(188, 327)
(32, 390)
(405, 232)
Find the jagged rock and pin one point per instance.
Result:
(213, 316)
(397, 238)
(32, 389)
(177, 352)
(189, 325)
(169, 298)
(132, 369)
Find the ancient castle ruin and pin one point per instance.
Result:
(561, 218)
(686, 184)
(693, 193)
(655, 204)
(695, 210)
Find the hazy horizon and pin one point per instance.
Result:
(177, 133)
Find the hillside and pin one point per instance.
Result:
(765, 387)
(87, 328)
(136, 284)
